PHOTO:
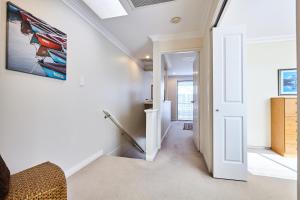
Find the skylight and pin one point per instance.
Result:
(106, 8)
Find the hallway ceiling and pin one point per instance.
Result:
(180, 64)
(264, 18)
(134, 29)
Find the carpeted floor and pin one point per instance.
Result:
(178, 173)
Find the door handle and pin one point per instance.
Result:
(217, 110)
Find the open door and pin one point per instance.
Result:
(229, 118)
(196, 132)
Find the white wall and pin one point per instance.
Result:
(298, 61)
(172, 92)
(206, 102)
(148, 81)
(264, 60)
(44, 119)
(166, 118)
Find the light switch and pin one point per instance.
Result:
(82, 81)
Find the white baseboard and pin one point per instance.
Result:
(207, 163)
(83, 164)
(151, 157)
(116, 152)
(259, 147)
(166, 132)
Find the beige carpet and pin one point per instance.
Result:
(178, 173)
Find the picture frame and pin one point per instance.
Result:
(287, 82)
(33, 46)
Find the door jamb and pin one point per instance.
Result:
(194, 50)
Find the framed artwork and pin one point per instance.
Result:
(34, 46)
(287, 82)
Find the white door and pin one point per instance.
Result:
(229, 118)
(196, 133)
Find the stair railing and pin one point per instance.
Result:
(123, 131)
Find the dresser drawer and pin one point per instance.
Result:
(290, 148)
(284, 125)
(291, 139)
(290, 124)
(290, 107)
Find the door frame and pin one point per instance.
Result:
(298, 97)
(177, 98)
(193, 50)
(222, 6)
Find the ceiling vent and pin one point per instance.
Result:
(141, 3)
(148, 64)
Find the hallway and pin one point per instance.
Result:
(178, 172)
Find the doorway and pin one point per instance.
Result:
(180, 86)
(260, 136)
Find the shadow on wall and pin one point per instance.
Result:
(135, 115)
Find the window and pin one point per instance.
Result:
(185, 100)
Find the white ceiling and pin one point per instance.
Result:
(180, 64)
(264, 18)
(134, 30)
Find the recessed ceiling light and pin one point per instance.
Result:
(175, 20)
(147, 57)
(106, 8)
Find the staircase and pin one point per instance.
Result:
(134, 145)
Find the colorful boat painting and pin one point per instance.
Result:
(39, 27)
(58, 32)
(34, 40)
(53, 74)
(64, 47)
(13, 8)
(54, 66)
(53, 70)
(43, 52)
(29, 17)
(58, 56)
(58, 38)
(25, 28)
(49, 44)
(47, 41)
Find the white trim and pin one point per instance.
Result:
(166, 132)
(116, 152)
(83, 164)
(151, 110)
(151, 157)
(92, 19)
(280, 38)
(187, 50)
(182, 76)
(168, 61)
(180, 36)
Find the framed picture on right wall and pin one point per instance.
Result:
(287, 82)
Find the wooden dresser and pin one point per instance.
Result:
(284, 125)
